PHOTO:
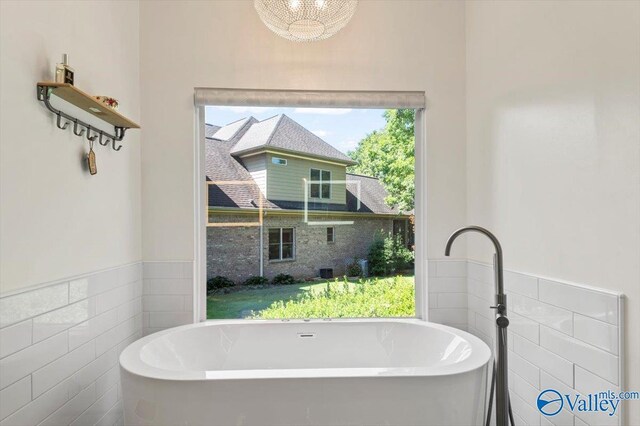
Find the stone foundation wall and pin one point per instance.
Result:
(234, 252)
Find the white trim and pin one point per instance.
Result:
(281, 244)
(330, 222)
(279, 161)
(321, 182)
(421, 264)
(333, 234)
(286, 153)
(200, 220)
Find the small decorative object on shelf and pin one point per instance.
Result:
(64, 73)
(108, 101)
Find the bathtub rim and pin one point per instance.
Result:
(130, 361)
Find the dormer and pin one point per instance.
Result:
(280, 155)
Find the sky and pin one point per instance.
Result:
(341, 127)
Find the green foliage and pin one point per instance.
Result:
(256, 280)
(218, 282)
(397, 255)
(389, 155)
(376, 257)
(388, 255)
(354, 269)
(283, 279)
(390, 297)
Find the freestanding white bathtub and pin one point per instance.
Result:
(318, 372)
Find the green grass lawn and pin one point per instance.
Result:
(391, 296)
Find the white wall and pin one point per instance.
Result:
(553, 152)
(389, 45)
(55, 219)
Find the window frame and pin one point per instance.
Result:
(205, 96)
(320, 184)
(333, 234)
(281, 244)
(273, 161)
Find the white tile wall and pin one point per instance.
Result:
(563, 336)
(447, 288)
(167, 296)
(59, 348)
(59, 343)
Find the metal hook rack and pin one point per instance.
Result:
(80, 128)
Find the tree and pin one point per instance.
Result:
(389, 155)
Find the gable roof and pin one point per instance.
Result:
(209, 130)
(222, 165)
(281, 133)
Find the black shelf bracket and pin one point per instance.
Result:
(80, 127)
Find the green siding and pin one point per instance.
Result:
(285, 182)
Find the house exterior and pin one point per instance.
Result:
(280, 200)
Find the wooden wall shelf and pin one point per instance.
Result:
(87, 103)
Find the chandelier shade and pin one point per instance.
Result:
(305, 20)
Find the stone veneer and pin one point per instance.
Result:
(234, 252)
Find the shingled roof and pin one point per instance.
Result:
(284, 134)
(222, 165)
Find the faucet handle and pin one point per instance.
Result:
(502, 309)
(502, 321)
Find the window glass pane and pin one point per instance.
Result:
(274, 251)
(274, 236)
(287, 251)
(315, 190)
(354, 193)
(326, 190)
(287, 235)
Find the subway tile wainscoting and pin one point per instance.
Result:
(59, 348)
(59, 343)
(167, 299)
(562, 336)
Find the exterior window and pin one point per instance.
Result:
(281, 243)
(321, 188)
(279, 161)
(331, 234)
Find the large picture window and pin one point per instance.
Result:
(320, 183)
(281, 243)
(314, 218)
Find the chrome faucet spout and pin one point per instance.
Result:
(497, 259)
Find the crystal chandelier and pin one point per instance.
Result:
(305, 20)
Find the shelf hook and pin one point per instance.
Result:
(114, 146)
(89, 137)
(75, 129)
(100, 140)
(59, 120)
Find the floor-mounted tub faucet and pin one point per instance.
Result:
(499, 379)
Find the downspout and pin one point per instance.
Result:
(262, 249)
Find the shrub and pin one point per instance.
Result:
(354, 269)
(217, 283)
(388, 255)
(387, 297)
(377, 262)
(397, 255)
(283, 279)
(256, 280)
